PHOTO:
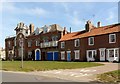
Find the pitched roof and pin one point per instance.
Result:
(96, 31)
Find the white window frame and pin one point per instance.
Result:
(77, 51)
(110, 38)
(116, 58)
(29, 54)
(75, 42)
(90, 40)
(62, 43)
(62, 53)
(29, 43)
(92, 58)
(37, 43)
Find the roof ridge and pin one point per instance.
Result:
(109, 25)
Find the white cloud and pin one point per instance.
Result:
(33, 11)
(72, 17)
(10, 7)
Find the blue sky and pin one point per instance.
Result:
(68, 14)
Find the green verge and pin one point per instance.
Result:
(110, 77)
(44, 65)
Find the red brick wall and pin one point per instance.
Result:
(101, 41)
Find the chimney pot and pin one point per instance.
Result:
(99, 24)
(64, 31)
(70, 29)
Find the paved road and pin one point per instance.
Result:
(79, 75)
(24, 77)
(67, 75)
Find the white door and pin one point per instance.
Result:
(102, 54)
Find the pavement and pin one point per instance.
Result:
(79, 75)
(25, 77)
(66, 75)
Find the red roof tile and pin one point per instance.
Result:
(93, 32)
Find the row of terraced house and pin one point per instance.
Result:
(54, 43)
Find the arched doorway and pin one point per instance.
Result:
(37, 54)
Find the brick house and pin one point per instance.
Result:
(39, 44)
(99, 43)
(53, 42)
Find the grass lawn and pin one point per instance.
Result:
(111, 77)
(44, 65)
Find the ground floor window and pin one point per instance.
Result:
(29, 54)
(63, 55)
(91, 55)
(113, 52)
(77, 54)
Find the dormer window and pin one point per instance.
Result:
(112, 38)
(77, 43)
(91, 40)
(45, 29)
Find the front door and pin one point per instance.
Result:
(56, 56)
(68, 56)
(102, 54)
(50, 56)
(37, 55)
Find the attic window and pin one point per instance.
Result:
(45, 29)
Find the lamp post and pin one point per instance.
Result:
(21, 45)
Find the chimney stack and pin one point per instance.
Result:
(99, 24)
(64, 31)
(21, 24)
(89, 26)
(31, 27)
